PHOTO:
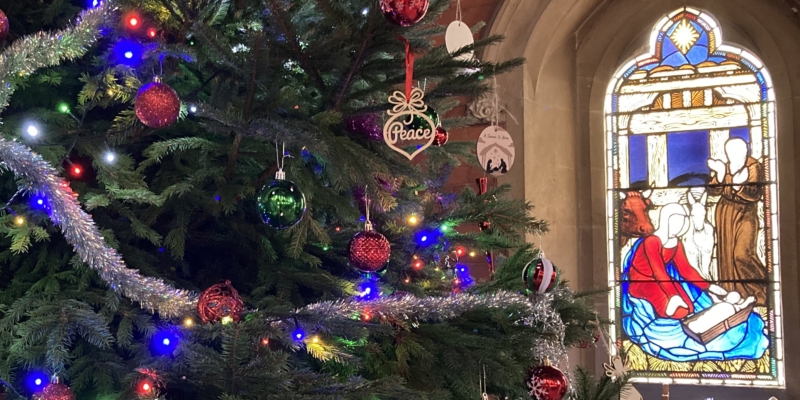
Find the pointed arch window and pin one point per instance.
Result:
(692, 210)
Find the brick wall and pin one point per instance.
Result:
(473, 11)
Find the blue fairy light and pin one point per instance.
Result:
(39, 202)
(428, 237)
(128, 52)
(36, 381)
(463, 276)
(165, 342)
(368, 290)
(298, 334)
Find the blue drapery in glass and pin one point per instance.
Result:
(664, 337)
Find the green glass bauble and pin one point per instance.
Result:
(420, 123)
(281, 204)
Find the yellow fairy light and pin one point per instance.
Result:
(19, 220)
(188, 322)
(315, 339)
(413, 220)
(226, 320)
(472, 254)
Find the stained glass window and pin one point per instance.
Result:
(692, 210)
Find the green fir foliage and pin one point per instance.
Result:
(179, 204)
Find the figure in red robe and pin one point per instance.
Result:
(649, 279)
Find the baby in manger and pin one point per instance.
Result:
(725, 314)
(673, 313)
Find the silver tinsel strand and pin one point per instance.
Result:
(22, 58)
(432, 309)
(79, 230)
(44, 49)
(543, 315)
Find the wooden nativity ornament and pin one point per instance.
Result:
(408, 125)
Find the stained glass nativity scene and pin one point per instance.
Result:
(692, 213)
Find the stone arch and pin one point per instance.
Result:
(573, 48)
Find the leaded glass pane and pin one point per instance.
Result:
(692, 210)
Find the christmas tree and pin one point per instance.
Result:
(251, 235)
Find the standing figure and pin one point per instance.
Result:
(737, 221)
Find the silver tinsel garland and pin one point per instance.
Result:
(537, 312)
(43, 49)
(27, 55)
(22, 58)
(79, 229)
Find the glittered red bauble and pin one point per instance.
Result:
(533, 275)
(55, 391)
(547, 383)
(369, 251)
(441, 137)
(404, 12)
(3, 25)
(157, 105)
(220, 301)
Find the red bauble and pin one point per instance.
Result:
(55, 391)
(220, 301)
(369, 251)
(441, 137)
(547, 383)
(533, 275)
(585, 344)
(404, 12)
(157, 105)
(3, 25)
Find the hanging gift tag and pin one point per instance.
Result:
(408, 125)
(496, 150)
(459, 35)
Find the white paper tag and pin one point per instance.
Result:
(459, 35)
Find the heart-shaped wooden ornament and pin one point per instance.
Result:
(408, 125)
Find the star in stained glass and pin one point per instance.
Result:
(684, 36)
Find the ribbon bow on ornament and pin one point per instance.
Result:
(408, 124)
(412, 103)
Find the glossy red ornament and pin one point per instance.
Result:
(533, 275)
(55, 391)
(3, 25)
(157, 105)
(220, 301)
(404, 12)
(369, 251)
(547, 383)
(441, 137)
